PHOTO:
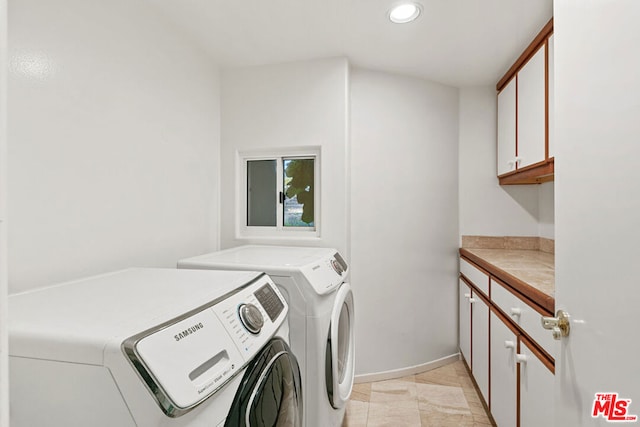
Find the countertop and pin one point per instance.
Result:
(530, 272)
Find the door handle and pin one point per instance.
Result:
(559, 325)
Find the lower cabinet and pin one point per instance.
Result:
(480, 343)
(504, 380)
(465, 321)
(513, 356)
(536, 389)
(499, 341)
(474, 330)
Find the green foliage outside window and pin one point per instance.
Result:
(299, 177)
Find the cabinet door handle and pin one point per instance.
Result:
(509, 344)
(518, 160)
(467, 296)
(515, 311)
(472, 300)
(521, 358)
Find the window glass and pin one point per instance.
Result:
(261, 193)
(298, 206)
(279, 190)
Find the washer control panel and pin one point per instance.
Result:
(251, 318)
(253, 315)
(270, 301)
(186, 360)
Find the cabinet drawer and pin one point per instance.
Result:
(523, 315)
(477, 277)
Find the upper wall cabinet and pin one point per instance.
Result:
(524, 151)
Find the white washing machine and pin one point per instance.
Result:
(321, 317)
(151, 348)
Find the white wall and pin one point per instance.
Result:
(546, 210)
(404, 220)
(288, 105)
(113, 141)
(486, 208)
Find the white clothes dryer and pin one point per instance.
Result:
(153, 348)
(321, 317)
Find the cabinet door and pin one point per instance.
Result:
(480, 344)
(503, 373)
(465, 321)
(531, 111)
(536, 390)
(551, 99)
(507, 128)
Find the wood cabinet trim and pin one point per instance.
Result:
(533, 174)
(518, 385)
(504, 319)
(526, 292)
(539, 40)
(523, 298)
(519, 330)
(546, 98)
(476, 290)
(540, 355)
(517, 124)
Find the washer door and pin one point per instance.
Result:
(340, 354)
(270, 393)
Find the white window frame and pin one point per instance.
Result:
(243, 231)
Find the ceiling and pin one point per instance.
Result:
(455, 42)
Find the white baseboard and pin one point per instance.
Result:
(403, 372)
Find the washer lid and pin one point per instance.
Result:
(323, 268)
(270, 259)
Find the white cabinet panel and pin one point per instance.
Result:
(503, 373)
(465, 321)
(524, 315)
(477, 277)
(552, 151)
(536, 391)
(507, 128)
(480, 344)
(531, 110)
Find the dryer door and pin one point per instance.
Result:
(270, 393)
(340, 354)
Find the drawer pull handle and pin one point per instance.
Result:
(521, 358)
(516, 311)
(509, 344)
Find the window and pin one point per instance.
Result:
(279, 194)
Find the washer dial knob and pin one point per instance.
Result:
(251, 318)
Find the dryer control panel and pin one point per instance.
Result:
(186, 360)
(327, 273)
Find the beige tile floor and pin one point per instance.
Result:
(443, 397)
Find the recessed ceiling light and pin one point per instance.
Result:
(404, 12)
